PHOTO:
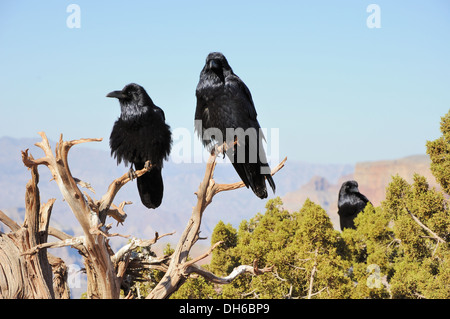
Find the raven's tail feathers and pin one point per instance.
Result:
(271, 182)
(151, 188)
(251, 175)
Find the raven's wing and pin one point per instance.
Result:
(141, 140)
(362, 198)
(198, 118)
(244, 93)
(347, 211)
(349, 206)
(252, 172)
(159, 112)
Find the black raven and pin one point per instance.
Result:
(139, 135)
(350, 203)
(225, 113)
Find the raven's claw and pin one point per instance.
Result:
(131, 173)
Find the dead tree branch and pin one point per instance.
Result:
(237, 271)
(107, 199)
(313, 272)
(74, 241)
(433, 234)
(135, 243)
(179, 267)
(8, 222)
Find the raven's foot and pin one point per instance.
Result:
(217, 149)
(131, 173)
(147, 165)
(212, 149)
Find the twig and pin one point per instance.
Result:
(217, 188)
(134, 243)
(237, 271)
(84, 184)
(435, 236)
(9, 222)
(206, 254)
(74, 241)
(118, 213)
(316, 293)
(115, 186)
(98, 231)
(275, 274)
(58, 233)
(313, 272)
(253, 292)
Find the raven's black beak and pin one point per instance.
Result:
(116, 94)
(213, 65)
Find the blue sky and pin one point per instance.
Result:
(338, 91)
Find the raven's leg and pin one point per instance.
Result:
(131, 172)
(217, 149)
(213, 150)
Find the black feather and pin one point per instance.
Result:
(140, 134)
(224, 105)
(350, 203)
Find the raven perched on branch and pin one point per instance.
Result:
(225, 113)
(350, 203)
(139, 135)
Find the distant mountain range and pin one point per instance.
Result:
(295, 182)
(181, 181)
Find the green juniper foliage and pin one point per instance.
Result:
(439, 152)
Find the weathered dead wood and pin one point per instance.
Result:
(104, 270)
(237, 271)
(26, 247)
(8, 222)
(74, 241)
(134, 243)
(190, 267)
(26, 276)
(13, 271)
(122, 258)
(107, 199)
(97, 256)
(60, 285)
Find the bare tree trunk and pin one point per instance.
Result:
(102, 279)
(26, 276)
